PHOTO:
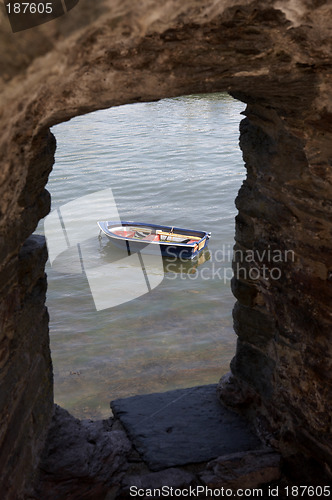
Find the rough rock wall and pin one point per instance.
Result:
(273, 55)
(283, 323)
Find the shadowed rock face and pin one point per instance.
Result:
(273, 55)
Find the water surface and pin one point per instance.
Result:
(175, 161)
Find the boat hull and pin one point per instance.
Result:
(196, 241)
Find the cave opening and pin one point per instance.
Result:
(270, 57)
(174, 161)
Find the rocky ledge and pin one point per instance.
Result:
(181, 439)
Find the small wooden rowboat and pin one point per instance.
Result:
(172, 241)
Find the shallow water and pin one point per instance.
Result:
(174, 162)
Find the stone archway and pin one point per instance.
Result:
(275, 56)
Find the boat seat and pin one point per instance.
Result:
(152, 237)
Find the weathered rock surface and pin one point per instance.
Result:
(182, 427)
(275, 55)
(26, 394)
(82, 458)
(235, 395)
(242, 470)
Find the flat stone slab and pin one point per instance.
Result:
(183, 426)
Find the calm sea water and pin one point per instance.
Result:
(176, 162)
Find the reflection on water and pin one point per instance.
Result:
(111, 253)
(173, 162)
(180, 266)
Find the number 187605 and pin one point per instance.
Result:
(29, 8)
(308, 491)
